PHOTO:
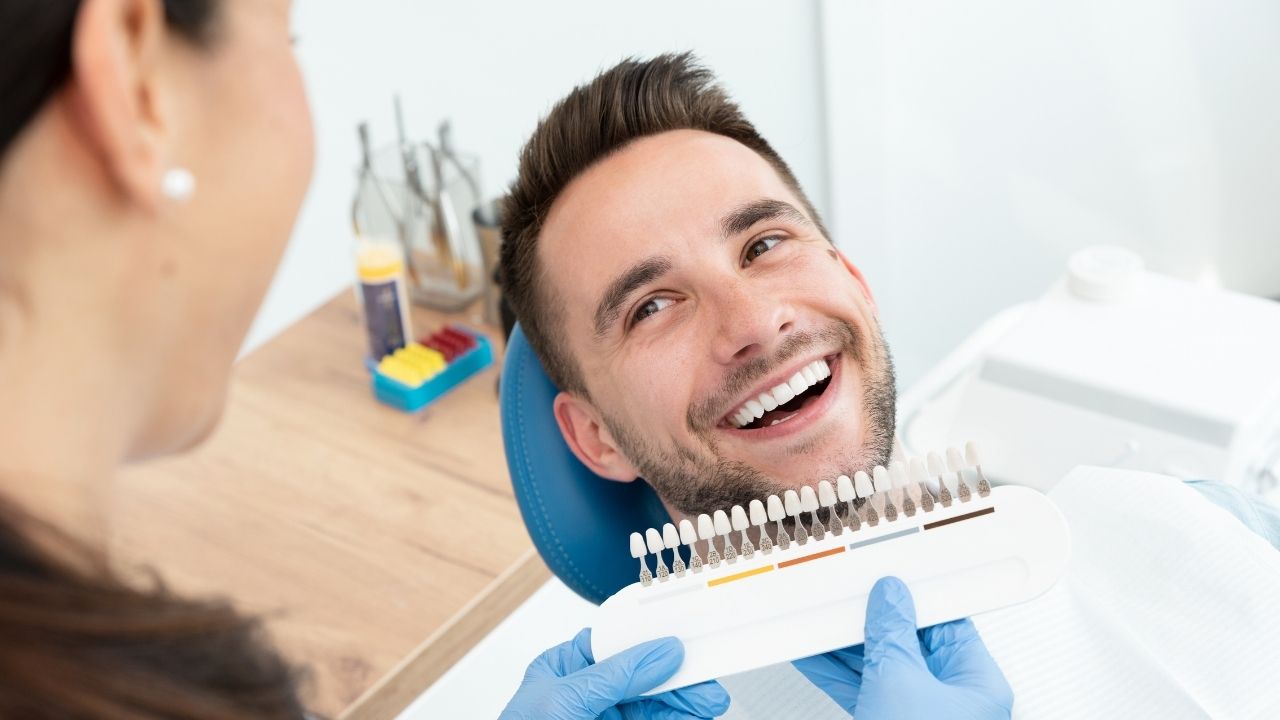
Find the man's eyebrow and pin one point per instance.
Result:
(616, 294)
(743, 217)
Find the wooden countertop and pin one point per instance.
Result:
(380, 545)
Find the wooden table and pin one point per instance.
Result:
(380, 545)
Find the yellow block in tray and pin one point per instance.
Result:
(412, 365)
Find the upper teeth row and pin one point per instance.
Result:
(805, 378)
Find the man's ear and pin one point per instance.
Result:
(114, 93)
(590, 440)
(857, 276)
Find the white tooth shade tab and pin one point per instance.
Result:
(935, 463)
(670, 537)
(722, 523)
(880, 476)
(862, 483)
(758, 516)
(916, 471)
(783, 394)
(844, 488)
(739, 518)
(826, 494)
(706, 529)
(655, 540)
(792, 502)
(955, 463)
(638, 549)
(971, 454)
(688, 535)
(898, 474)
(776, 512)
(808, 499)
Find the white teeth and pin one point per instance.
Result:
(798, 384)
(783, 394)
(808, 376)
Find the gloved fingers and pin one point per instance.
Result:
(838, 677)
(891, 625)
(563, 659)
(627, 674)
(956, 655)
(704, 700)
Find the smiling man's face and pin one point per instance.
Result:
(696, 294)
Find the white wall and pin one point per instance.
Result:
(975, 145)
(494, 68)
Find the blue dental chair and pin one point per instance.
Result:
(579, 521)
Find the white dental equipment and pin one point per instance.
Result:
(1119, 367)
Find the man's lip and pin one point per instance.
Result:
(776, 380)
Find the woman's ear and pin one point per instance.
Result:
(115, 91)
(857, 276)
(590, 440)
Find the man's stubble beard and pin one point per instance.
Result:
(694, 482)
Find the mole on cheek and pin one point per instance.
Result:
(834, 255)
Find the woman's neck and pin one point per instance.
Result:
(65, 416)
(58, 446)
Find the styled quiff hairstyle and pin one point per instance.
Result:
(631, 100)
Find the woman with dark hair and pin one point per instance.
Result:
(153, 156)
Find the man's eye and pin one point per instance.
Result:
(651, 306)
(760, 247)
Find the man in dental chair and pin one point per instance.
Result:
(708, 338)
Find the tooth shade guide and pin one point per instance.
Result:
(870, 497)
(962, 561)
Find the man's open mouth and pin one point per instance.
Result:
(784, 401)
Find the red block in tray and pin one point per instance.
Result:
(449, 342)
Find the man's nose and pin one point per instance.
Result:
(747, 323)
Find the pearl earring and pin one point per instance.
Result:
(178, 184)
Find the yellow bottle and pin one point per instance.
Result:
(384, 299)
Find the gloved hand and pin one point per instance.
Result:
(940, 672)
(565, 683)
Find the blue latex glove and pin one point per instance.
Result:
(940, 672)
(566, 683)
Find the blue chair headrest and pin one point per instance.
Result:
(579, 521)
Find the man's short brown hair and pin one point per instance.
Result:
(631, 100)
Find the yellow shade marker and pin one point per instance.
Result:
(739, 576)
